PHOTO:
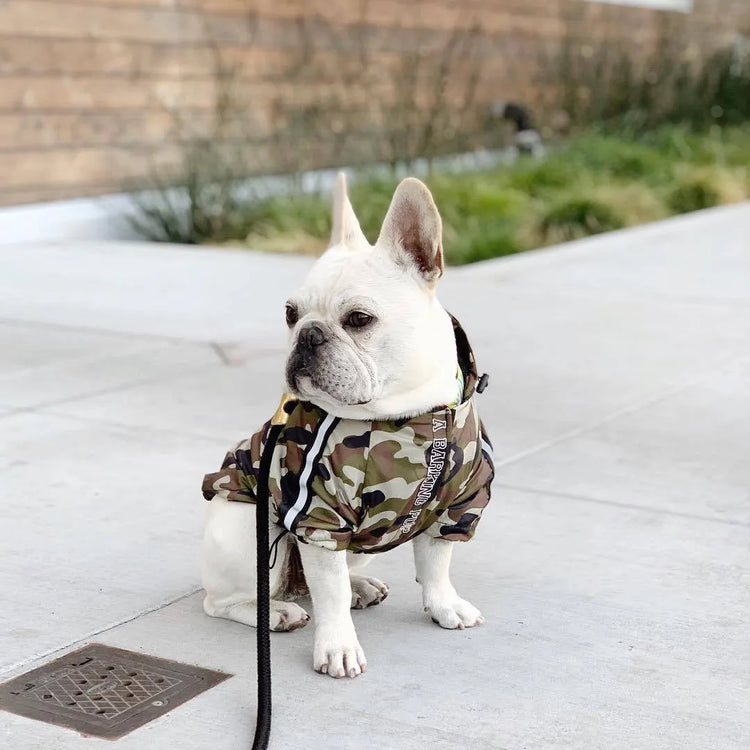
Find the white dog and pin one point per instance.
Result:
(382, 445)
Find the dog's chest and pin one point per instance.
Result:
(370, 486)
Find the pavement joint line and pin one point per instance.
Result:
(220, 353)
(19, 665)
(618, 504)
(634, 408)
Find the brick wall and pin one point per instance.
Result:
(96, 95)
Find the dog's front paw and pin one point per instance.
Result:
(452, 612)
(367, 591)
(337, 652)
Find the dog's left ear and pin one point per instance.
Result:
(345, 228)
(412, 230)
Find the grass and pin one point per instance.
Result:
(595, 183)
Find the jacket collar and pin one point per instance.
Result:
(466, 360)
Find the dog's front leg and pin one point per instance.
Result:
(336, 650)
(432, 559)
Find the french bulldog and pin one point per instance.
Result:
(373, 356)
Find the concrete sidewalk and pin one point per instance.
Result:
(612, 565)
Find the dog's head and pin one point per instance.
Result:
(368, 337)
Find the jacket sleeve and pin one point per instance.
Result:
(238, 477)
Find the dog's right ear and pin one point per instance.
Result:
(412, 230)
(345, 228)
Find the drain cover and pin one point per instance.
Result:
(105, 691)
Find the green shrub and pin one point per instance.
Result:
(693, 195)
(287, 213)
(202, 204)
(480, 240)
(596, 183)
(484, 198)
(716, 146)
(623, 159)
(537, 178)
(578, 217)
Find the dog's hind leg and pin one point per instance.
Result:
(228, 569)
(366, 590)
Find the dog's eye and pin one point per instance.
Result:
(292, 316)
(358, 319)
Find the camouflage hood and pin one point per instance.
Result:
(368, 486)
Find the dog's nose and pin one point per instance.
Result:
(311, 336)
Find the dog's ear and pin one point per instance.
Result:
(412, 230)
(344, 225)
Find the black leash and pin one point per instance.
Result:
(263, 722)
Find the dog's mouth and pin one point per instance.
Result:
(305, 387)
(297, 367)
(334, 381)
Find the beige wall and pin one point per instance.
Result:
(89, 88)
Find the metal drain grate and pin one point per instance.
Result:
(105, 691)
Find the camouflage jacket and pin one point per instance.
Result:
(368, 486)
